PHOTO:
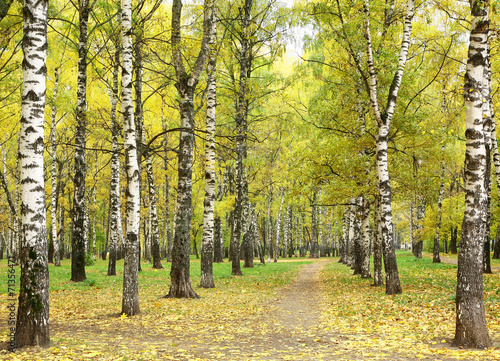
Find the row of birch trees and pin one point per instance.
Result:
(292, 162)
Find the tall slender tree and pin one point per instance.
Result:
(79, 199)
(207, 244)
(32, 326)
(55, 241)
(471, 329)
(384, 119)
(114, 189)
(130, 299)
(180, 286)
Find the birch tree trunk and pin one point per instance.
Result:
(471, 329)
(130, 299)
(32, 326)
(378, 276)
(269, 227)
(114, 189)
(496, 161)
(218, 241)
(79, 199)
(180, 286)
(358, 236)
(152, 242)
(351, 239)
(168, 229)
(241, 129)
(278, 228)
(384, 119)
(487, 116)
(314, 228)
(55, 241)
(365, 238)
(247, 229)
(435, 252)
(345, 235)
(154, 229)
(13, 215)
(207, 243)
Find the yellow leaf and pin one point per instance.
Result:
(123, 316)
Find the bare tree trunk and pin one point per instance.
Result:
(154, 230)
(435, 253)
(269, 227)
(384, 118)
(79, 198)
(344, 240)
(365, 239)
(168, 228)
(471, 329)
(378, 276)
(130, 299)
(180, 286)
(241, 129)
(358, 236)
(32, 326)
(114, 189)
(55, 240)
(207, 244)
(487, 116)
(248, 232)
(314, 228)
(278, 228)
(218, 241)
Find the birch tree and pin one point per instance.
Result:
(79, 199)
(114, 189)
(471, 329)
(53, 205)
(130, 299)
(207, 243)
(186, 83)
(32, 327)
(384, 119)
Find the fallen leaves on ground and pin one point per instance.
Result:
(243, 318)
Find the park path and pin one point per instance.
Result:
(298, 304)
(289, 329)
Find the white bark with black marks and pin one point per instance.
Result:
(130, 299)
(278, 228)
(32, 326)
(365, 238)
(79, 198)
(207, 243)
(55, 240)
(114, 189)
(186, 83)
(471, 328)
(384, 119)
(435, 253)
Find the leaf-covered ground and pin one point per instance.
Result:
(325, 313)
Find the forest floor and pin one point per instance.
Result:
(290, 310)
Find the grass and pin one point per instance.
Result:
(84, 315)
(421, 320)
(419, 323)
